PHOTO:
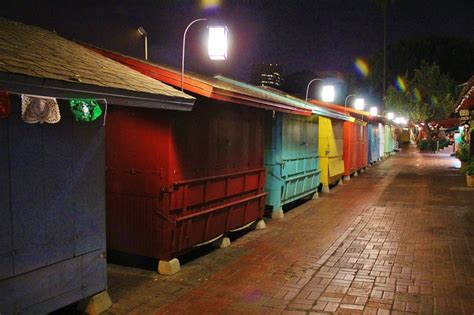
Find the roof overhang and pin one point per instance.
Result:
(199, 87)
(22, 84)
(466, 99)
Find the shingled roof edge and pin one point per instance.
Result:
(22, 84)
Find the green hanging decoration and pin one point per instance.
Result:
(85, 109)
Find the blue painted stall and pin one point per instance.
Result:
(291, 159)
(52, 205)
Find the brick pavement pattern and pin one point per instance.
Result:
(396, 240)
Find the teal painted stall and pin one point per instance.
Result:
(373, 150)
(291, 159)
(388, 141)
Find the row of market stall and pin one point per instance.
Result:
(103, 153)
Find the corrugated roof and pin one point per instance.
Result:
(217, 87)
(38, 53)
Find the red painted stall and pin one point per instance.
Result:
(179, 179)
(355, 147)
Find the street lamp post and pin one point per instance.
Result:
(184, 47)
(359, 103)
(307, 87)
(327, 91)
(217, 44)
(345, 101)
(143, 33)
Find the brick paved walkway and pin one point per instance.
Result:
(398, 239)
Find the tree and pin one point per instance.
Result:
(384, 5)
(427, 95)
(454, 56)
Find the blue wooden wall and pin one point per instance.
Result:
(291, 158)
(52, 210)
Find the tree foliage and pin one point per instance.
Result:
(454, 56)
(427, 95)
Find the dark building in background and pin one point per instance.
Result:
(267, 74)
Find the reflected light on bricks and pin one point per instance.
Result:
(253, 296)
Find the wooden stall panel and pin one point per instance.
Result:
(89, 186)
(67, 281)
(130, 223)
(201, 227)
(137, 150)
(292, 158)
(216, 138)
(336, 167)
(365, 146)
(57, 213)
(137, 142)
(381, 140)
(200, 194)
(6, 257)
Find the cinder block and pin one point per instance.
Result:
(223, 242)
(260, 225)
(347, 178)
(278, 214)
(95, 304)
(169, 267)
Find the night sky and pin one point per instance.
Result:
(324, 35)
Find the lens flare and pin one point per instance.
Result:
(210, 4)
(400, 84)
(417, 95)
(361, 67)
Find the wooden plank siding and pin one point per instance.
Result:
(52, 205)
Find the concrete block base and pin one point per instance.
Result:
(222, 242)
(315, 196)
(95, 304)
(340, 183)
(362, 170)
(325, 189)
(356, 174)
(169, 267)
(260, 225)
(278, 214)
(347, 178)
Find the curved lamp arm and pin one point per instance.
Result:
(345, 101)
(184, 46)
(307, 87)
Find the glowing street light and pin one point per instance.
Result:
(373, 111)
(217, 44)
(390, 115)
(327, 92)
(143, 33)
(359, 103)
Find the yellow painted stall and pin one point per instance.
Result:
(330, 151)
